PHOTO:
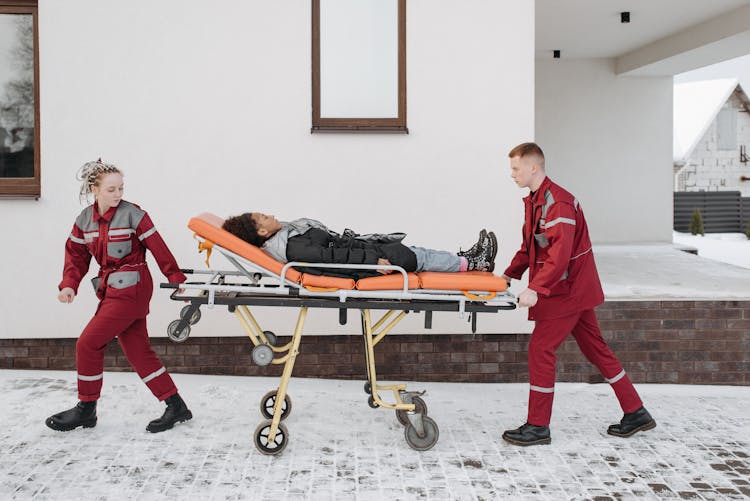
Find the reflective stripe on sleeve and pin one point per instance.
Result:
(541, 389)
(581, 254)
(617, 377)
(560, 220)
(90, 378)
(154, 374)
(147, 233)
(76, 239)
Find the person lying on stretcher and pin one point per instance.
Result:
(311, 241)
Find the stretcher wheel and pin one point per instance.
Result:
(426, 442)
(371, 402)
(271, 337)
(368, 388)
(269, 401)
(264, 445)
(172, 331)
(262, 354)
(193, 319)
(419, 407)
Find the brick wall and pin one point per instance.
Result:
(687, 342)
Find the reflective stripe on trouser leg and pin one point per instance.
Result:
(546, 338)
(589, 338)
(136, 346)
(90, 353)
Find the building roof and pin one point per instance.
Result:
(696, 105)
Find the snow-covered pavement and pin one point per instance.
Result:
(341, 449)
(732, 248)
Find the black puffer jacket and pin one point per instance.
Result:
(319, 246)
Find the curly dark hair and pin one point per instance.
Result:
(244, 227)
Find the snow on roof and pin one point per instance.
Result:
(696, 104)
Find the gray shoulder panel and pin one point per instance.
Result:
(127, 215)
(85, 220)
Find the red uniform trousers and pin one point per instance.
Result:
(133, 338)
(547, 337)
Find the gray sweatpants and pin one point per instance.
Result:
(436, 260)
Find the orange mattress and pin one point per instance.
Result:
(208, 226)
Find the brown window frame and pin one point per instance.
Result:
(359, 124)
(22, 187)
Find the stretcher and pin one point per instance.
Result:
(259, 280)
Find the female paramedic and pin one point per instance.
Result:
(117, 233)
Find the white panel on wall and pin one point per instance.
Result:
(608, 140)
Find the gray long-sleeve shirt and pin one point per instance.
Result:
(276, 245)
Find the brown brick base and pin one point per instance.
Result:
(687, 342)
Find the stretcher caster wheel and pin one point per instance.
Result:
(271, 337)
(429, 438)
(368, 388)
(172, 332)
(193, 319)
(371, 402)
(268, 402)
(262, 354)
(264, 445)
(419, 407)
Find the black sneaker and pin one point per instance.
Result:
(474, 248)
(176, 412)
(528, 434)
(83, 414)
(632, 423)
(484, 258)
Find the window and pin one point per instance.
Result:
(19, 99)
(359, 65)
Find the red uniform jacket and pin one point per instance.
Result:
(118, 241)
(556, 243)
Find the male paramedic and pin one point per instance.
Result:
(563, 290)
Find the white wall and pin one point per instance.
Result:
(206, 107)
(608, 140)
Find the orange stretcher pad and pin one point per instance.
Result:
(208, 227)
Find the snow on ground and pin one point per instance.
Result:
(341, 449)
(732, 248)
(661, 271)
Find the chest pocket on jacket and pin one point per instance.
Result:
(119, 249)
(541, 240)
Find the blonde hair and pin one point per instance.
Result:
(90, 174)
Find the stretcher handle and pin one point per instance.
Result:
(169, 286)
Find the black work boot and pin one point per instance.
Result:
(83, 414)
(176, 412)
(632, 422)
(528, 434)
(484, 258)
(474, 248)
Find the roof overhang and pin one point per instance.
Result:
(718, 39)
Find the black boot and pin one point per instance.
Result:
(528, 434)
(176, 412)
(474, 248)
(83, 414)
(632, 423)
(483, 259)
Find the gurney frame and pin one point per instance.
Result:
(225, 288)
